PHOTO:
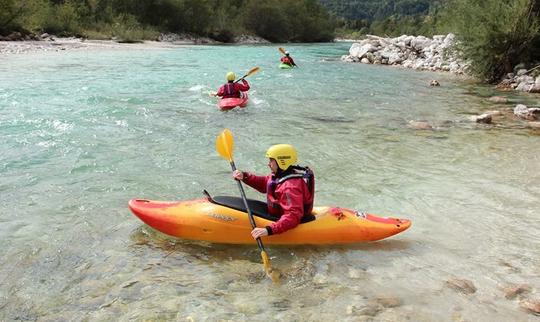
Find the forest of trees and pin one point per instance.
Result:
(385, 17)
(275, 20)
(494, 35)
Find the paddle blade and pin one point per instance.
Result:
(252, 71)
(273, 274)
(282, 50)
(225, 145)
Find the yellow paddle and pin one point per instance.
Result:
(251, 72)
(224, 147)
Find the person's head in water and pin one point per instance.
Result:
(281, 157)
(231, 76)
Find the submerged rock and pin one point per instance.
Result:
(484, 118)
(494, 113)
(419, 125)
(498, 99)
(461, 285)
(513, 291)
(526, 113)
(387, 301)
(531, 305)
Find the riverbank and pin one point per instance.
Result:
(52, 43)
(59, 44)
(431, 54)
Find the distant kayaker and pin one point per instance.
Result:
(289, 189)
(287, 59)
(231, 88)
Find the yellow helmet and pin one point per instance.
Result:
(231, 76)
(284, 154)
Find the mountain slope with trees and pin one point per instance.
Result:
(276, 20)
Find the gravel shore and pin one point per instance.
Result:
(58, 44)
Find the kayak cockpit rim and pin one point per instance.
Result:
(257, 207)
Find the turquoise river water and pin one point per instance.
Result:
(84, 131)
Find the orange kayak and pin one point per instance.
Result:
(232, 102)
(224, 220)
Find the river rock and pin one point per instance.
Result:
(387, 301)
(250, 39)
(531, 305)
(484, 118)
(527, 113)
(498, 99)
(371, 309)
(320, 278)
(356, 273)
(494, 113)
(461, 285)
(434, 82)
(419, 125)
(513, 291)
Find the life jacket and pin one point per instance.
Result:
(298, 172)
(230, 90)
(286, 60)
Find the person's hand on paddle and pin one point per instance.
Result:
(238, 175)
(259, 232)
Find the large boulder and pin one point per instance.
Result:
(420, 42)
(527, 113)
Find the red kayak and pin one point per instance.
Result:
(230, 103)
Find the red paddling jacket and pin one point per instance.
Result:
(232, 89)
(289, 197)
(288, 60)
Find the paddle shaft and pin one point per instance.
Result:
(250, 215)
(236, 81)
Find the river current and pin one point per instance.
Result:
(84, 131)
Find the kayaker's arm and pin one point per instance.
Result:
(221, 91)
(244, 87)
(292, 62)
(256, 182)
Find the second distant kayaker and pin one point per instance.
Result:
(289, 189)
(287, 59)
(231, 88)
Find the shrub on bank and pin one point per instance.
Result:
(494, 35)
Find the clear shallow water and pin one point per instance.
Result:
(82, 132)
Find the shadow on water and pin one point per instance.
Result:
(332, 119)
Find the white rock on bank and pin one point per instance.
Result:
(408, 51)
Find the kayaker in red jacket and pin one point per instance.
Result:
(289, 189)
(287, 59)
(232, 89)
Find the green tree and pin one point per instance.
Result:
(10, 13)
(494, 34)
(268, 20)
